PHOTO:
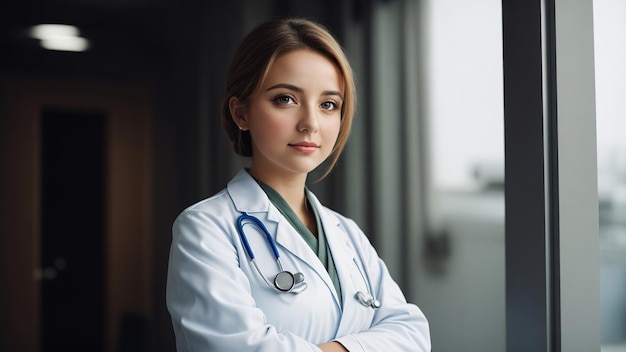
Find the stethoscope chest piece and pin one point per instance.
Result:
(285, 280)
(367, 300)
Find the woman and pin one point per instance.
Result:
(290, 99)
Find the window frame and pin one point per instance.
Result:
(552, 272)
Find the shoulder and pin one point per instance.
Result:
(207, 224)
(212, 212)
(203, 220)
(220, 200)
(242, 194)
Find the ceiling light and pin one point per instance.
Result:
(59, 37)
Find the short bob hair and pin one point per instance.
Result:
(254, 58)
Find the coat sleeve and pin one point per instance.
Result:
(209, 297)
(397, 325)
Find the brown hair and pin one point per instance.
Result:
(254, 58)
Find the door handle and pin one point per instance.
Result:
(51, 272)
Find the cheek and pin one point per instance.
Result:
(276, 122)
(273, 125)
(268, 124)
(332, 129)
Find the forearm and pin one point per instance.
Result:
(332, 347)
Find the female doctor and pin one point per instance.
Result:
(262, 265)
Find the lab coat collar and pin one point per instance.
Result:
(246, 194)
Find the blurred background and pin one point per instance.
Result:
(610, 53)
(110, 128)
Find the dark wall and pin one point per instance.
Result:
(179, 51)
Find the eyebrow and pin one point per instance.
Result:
(300, 90)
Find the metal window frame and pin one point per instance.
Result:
(552, 276)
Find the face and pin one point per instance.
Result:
(295, 116)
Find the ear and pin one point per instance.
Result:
(238, 113)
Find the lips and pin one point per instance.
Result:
(305, 144)
(305, 147)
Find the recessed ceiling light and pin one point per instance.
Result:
(60, 37)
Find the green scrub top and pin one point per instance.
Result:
(318, 244)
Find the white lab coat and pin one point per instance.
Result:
(218, 301)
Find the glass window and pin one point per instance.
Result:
(463, 285)
(610, 55)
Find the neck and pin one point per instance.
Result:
(290, 187)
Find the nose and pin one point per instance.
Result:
(308, 122)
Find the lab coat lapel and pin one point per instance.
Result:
(354, 314)
(337, 240)
(343, 255)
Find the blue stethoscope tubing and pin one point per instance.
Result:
(284, 281)
(260, 225)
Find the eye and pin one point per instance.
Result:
(283, 100)
(329, 105)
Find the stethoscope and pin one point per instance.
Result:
(366, 299)
(286, 281)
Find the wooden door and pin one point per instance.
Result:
(109, 183)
